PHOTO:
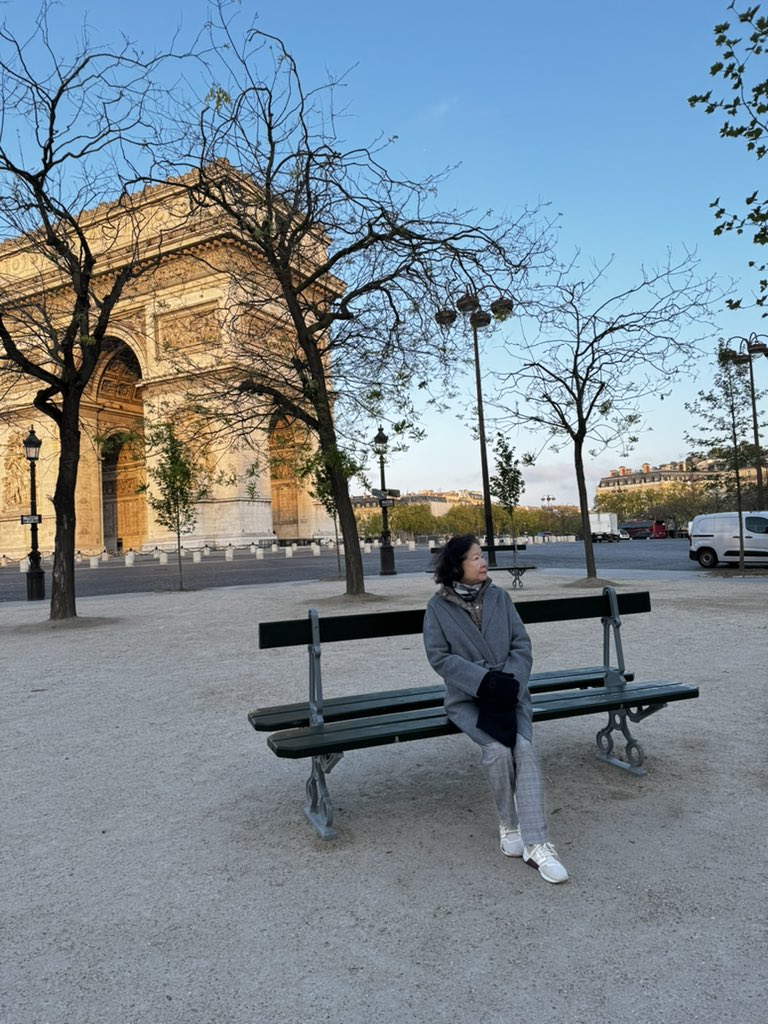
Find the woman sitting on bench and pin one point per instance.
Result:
(477, 642)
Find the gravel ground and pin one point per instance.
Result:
(157, 868)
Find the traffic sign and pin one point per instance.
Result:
(31, 520)
(386, 503)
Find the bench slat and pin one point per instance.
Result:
(361, 705)
(336, 737)
(547, 706)
(296, 632)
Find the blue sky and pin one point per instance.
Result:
(581, 104)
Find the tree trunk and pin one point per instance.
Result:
(63, 577)
(178, 556)
(353, 559)
(326, 435)
(586, 529)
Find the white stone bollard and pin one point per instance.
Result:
(163, 558)
(316, 550)
(253, 549)
(206, 550)
(274, 547)
(94, 561)
(259, 554)
(288, 551)
(341, 550)
(197, 556)
(229, 553)
(130, 558)
(23, 565)
(411, 545)
(105, 556)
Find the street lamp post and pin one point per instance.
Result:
(753, 346)
(469, 305)
(547, 502)
(35, 575)
(386, 551)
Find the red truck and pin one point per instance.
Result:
(644, 529)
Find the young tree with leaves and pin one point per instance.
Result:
(315, 469)
(594, 358)
(723, 415)
(507, 485)
(179, 483)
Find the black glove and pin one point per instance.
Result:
(500, 725)
(498, 691)
(497, 700)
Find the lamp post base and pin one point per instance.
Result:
(387, 560)
(35, 585)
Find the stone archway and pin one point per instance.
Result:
(120, 433)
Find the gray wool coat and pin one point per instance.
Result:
(462, 654)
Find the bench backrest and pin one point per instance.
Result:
(333, 628)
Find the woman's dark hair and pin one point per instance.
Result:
(449, 564)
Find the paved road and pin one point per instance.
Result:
(147, 575)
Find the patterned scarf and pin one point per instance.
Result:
(470, 598)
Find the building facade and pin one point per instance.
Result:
(691, 471)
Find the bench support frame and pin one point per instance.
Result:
(516, 572)
(634, 753)
(318, 806)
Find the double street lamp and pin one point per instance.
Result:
(35, 575)
(547, 501)
(749, 347)
(386, 500)
(469, 306)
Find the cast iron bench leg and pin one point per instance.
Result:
(318, 806)
(617, 721)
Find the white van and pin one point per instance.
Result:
(715, 538)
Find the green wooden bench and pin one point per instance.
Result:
(324, 730)
(516, 570)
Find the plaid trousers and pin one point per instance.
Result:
(515, 782)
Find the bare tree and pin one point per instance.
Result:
(73, 132)
(593, 360)
(331, 323)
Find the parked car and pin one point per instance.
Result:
(715, 538)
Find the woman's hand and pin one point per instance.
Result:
(498, 691)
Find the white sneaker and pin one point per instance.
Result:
(544, 857)
(511, 841)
